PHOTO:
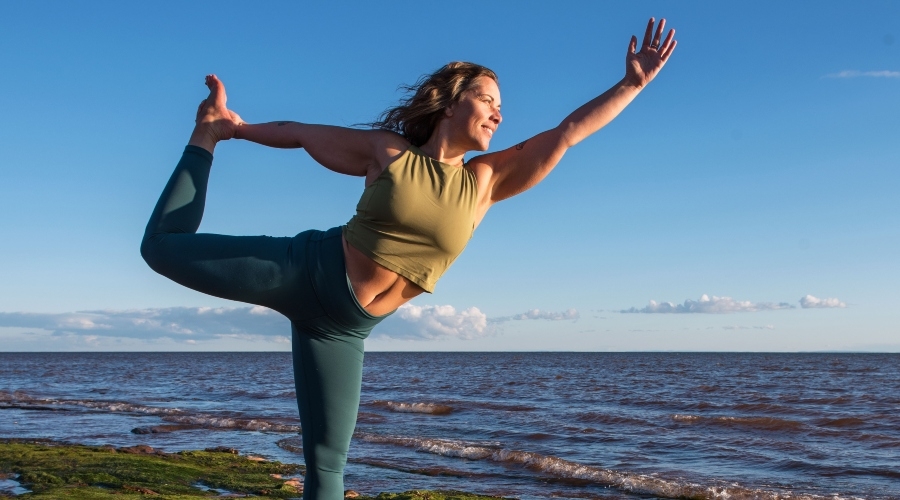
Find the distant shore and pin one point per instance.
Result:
(49, 469)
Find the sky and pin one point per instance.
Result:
(745, 201)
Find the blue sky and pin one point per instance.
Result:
(759, 168)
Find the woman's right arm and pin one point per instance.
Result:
(343, 150)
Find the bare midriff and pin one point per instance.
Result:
(378, 289)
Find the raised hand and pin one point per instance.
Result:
(642, 67)
(214, 121)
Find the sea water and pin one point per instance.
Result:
(525, 425)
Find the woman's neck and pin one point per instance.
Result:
(440, 147)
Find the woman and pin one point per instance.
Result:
(420, 206)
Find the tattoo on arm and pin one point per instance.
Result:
(520, 146)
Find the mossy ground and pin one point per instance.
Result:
(53, 470)
(75, 472)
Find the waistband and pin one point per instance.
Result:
(328, 274)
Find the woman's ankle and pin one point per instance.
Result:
(202, 139)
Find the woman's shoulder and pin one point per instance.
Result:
(389, 138)
(389, 146)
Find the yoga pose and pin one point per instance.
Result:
(419, 208)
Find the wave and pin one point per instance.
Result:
(163, 429)
(566, 469)
(243, 394)
(24, 400)
(429, 408)
(448, 407)
(29, 407)
(487, 405)
(422, 471)
(244, 424)
(185, 420)
(597, 417)
(842, 422)
(15, 397)
(292, 444)
(834, 401)
(364, 417)
(761, 423)
(766, 407)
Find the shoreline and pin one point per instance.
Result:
(47, 469)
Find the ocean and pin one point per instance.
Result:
(524, 425)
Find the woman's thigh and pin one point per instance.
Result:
(261, 270)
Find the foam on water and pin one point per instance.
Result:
(252, 424)
(631, 482)
(760, 423)
(429, 408)
(185, 419)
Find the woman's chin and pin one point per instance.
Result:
(479, 144)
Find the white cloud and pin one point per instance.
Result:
(870, 74)
(707, 305)
(433, 322)
(549, 315)
(570, 314)
(412, 322)
(191, 325)
(177, 323)
(810, 302)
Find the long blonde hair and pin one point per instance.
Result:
(417, 115)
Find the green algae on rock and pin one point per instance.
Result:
(53, 470)
(58, 470)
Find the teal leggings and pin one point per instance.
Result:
(303, 278)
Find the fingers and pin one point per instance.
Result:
(648, 34)
(632, 45)
(659, 30)
(667, 45)
(669, 50)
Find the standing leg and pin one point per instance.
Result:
(328, 362)
(328, 376)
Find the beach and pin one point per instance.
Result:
(523, 425)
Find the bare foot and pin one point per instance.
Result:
(214, 122)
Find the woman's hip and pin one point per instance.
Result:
(340, 313)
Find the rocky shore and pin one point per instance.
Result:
(54, 470)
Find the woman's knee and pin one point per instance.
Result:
(153, 252)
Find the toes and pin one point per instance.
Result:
(216, 90)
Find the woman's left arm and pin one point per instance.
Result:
(521, 167)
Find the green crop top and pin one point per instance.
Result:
(416, 218)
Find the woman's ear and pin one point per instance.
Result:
(448, 111)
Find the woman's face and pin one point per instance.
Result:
(476, 116)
